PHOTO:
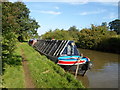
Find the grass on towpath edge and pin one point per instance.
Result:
(45, 73)
(13, 76)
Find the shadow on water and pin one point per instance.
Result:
(104, 73)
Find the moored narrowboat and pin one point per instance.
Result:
(64, 53)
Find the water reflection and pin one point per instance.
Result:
(104, 73)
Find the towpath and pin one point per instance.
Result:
(28, 79)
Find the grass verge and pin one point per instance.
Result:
(13, 76)
(45, 73)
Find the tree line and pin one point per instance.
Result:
(17, 25)
(102, 37)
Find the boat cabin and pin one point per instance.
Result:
(57, 48)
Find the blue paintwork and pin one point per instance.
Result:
(69, 59)
(65, 58)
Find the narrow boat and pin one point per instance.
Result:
(63, 53)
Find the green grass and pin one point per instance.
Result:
(13, 76)
(45, 73)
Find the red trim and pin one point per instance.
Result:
(70, 62)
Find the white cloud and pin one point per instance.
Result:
(50, 12)
(106, 2)
(111, 16)
(56, 7)
(84, 13)
(92, 12)
(46, 12)
(110, 3)
(79, 3)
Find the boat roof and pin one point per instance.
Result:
(56, 47)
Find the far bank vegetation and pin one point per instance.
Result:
(102, 37)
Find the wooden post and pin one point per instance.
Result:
(78, 66)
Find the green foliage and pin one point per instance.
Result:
(71, 34)
(90, 38)
(95, 37)
(98, 38)
(9, 25)
(115, 25)
(45, 73)
(73, 28)
(13, 76)
(27, 26)
(16, 24)
(110, 44)
(58, 35)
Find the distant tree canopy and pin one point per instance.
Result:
(16, 25)
(91, 38)
(70, 34)
(96, 37)
(57, 34)
(73, 28)
(115, 25)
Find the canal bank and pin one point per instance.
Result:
(45, 73)
(30, 69)
(104, 73)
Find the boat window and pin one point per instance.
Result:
(72, 49)
(69, 49)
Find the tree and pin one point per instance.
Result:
(58, 35)
(9, 26)
(28, 26)
(115, 25)
(3, 0)
(73, 28)
(16, 24)
(91, 38)
(104, 24)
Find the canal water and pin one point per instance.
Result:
(104, 72)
